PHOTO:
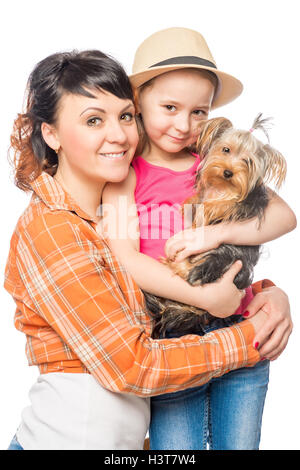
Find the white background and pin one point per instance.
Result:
(257, 41)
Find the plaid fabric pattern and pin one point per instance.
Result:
(82, 312)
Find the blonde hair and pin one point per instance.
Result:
(143, 138)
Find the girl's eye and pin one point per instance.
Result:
(127, 117)
(200, 112)
(94, 121)
(171, 107)
(226, 150)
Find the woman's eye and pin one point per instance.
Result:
(226, 150)
(94, 121)
(127, 117)
(171, 107)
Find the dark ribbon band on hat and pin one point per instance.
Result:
(187, 59)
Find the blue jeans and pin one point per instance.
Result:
(15, 445)
(226, 413)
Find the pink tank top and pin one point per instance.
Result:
(159, 195)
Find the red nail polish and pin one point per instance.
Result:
(263, 358)
(245, 314)
(256, 345)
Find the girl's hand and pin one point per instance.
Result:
(192, 241)
(271, 339)
(223, 298)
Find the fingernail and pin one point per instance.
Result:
(256, 345)
(245, 314)
(263, 358)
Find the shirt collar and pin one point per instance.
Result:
(55, 197)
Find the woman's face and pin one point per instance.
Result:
(96, 137)
(172, 107)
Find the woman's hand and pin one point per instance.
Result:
(271, 339)
(193, 240)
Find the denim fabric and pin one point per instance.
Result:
(15, 445)
(224, 414)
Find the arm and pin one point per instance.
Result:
(73, 283)
(121, 224)
(278, 220)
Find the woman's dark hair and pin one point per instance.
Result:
(66, 72)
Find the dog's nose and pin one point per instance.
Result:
(227, 174)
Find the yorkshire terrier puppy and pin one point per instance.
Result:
(230, 187)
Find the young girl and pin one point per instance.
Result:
(177, 83)
(81, 312)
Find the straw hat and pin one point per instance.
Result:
(176, 48)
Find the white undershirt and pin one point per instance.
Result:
(73, 412)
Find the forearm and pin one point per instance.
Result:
(179, 363)
(278, 220)
(156, 278)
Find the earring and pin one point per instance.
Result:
(57, 150)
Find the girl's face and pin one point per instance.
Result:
(97, 136)
(172, 106)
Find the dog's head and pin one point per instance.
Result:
(235, 161)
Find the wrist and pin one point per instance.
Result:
(202, 297)
(258, 320)
(210, 301)
(225, 232)
(244, 333)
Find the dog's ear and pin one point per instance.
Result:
(275, 166)
(210, 130)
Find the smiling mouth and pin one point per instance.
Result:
(178, 139)
(113, 156)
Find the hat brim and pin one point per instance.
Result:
(229, 87)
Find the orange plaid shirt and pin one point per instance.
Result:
(82, 312)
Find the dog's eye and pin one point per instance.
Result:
(226, 150)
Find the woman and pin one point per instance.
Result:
(81, 312)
